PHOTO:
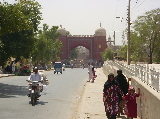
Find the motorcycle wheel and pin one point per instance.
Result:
(33, 98)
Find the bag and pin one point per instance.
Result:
(44, 87)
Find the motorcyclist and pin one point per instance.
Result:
(35, 76)
(83, 66)
(64, 67)
(72, 66)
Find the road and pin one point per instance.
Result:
(58, 102)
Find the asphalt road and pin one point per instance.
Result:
(59, 101)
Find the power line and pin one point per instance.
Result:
(115, 13)
(136, 4)
(141, 3)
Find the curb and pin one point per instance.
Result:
(6, 75)
(91, 106)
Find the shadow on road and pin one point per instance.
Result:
(10, 91)
(41, 103)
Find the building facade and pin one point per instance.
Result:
(96, 43)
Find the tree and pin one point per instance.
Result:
(18, 24)
(122, 52)
(47, 46)
(107, 54)
(74, 53)
(147, 28)
(137, 54)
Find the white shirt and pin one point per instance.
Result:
(90, 68)
(35, 77)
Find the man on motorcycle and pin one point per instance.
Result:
(35, 76)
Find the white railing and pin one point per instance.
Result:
(145, 72)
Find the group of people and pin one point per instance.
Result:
(119, 97)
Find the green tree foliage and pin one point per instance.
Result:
(107, 54)
(74, 53)
(147, 39)
(47, 46)
(122, 52)
(18, 23)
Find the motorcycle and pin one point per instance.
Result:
(34, 91)
(63, 68)
(71, 66)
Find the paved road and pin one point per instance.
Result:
(58, 102)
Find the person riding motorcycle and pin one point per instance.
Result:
(35, 76)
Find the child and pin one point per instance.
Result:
(130, 103)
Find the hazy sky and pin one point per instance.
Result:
(83, 17)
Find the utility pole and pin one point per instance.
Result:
(128, 35)
(114, 38)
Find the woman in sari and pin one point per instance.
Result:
(111, 99)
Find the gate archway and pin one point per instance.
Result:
(96, 43)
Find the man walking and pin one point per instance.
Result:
(90, 72)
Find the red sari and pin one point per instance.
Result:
(112, 100)
(131, 105)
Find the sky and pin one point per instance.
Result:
(83, 17)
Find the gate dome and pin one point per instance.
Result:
(62, 31)
(100, 32)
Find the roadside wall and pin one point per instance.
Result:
(148, 104)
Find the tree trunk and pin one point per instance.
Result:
(150, 58)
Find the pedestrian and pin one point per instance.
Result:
(110, 97)
(90, 72)
(130, 103)
(94, 75)
(124, 85)
(13, 67)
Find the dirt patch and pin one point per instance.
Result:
(77, 109)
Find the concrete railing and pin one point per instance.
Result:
(144, 72)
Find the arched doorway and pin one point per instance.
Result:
(96, 43)
(80, 56)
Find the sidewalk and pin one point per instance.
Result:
(6, 75)
(91, 106)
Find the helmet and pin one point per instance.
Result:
(119, 71)
(35, 68)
